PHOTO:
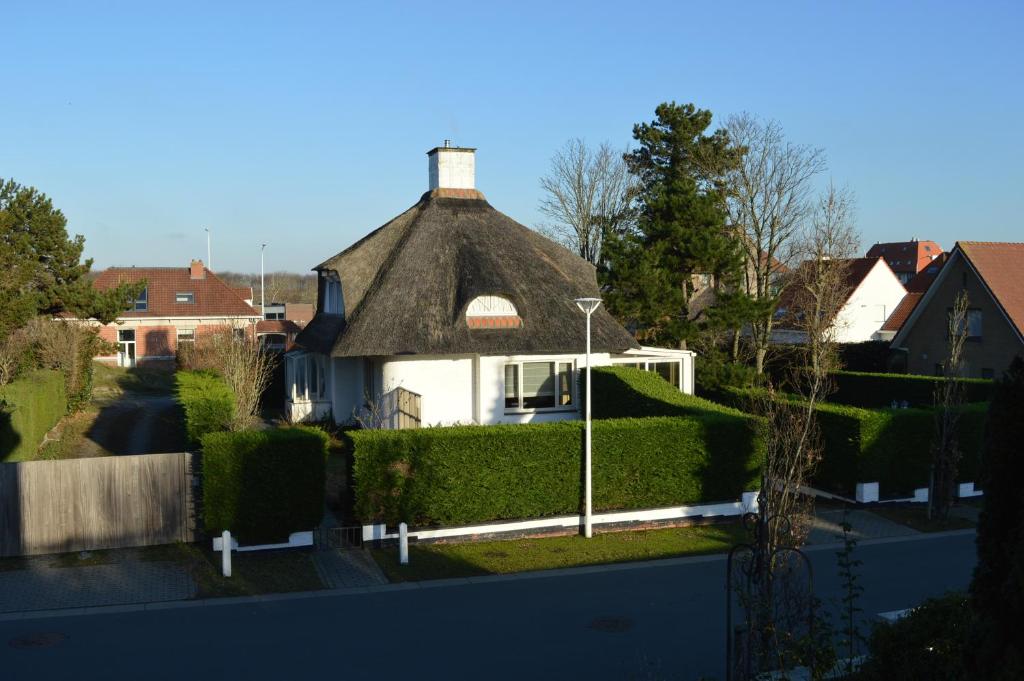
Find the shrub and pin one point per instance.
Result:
(879, 390)
(264, 485)
(621, 392)
(469, 474)
(927, 645)
(888, 446)
(29, 408)
(207, 401)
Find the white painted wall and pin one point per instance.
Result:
(445, 383)
(869, 306)
(452, 168)
(346, 388)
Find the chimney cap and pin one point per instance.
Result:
(448, 148)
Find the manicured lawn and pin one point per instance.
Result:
(916, 517)
(438, 561)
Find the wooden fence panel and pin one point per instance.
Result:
(98, 503)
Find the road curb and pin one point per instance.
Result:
(441, 583)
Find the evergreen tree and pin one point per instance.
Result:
(43, 268)
(648, 273)
(997, 591)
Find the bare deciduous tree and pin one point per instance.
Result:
(244, 365)
(948, 400)
(769, 203)
(586, 192)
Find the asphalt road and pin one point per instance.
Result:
(641, 622)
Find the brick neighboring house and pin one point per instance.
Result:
(178, 305)
(906, 258)
(990, 273)
(281, 323)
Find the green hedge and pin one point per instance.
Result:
(626, 392)
(207, 401)
(859, 389)
(29, 408)
(264, 485)
(888, 446)
(469, 474)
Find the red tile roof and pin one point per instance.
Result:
(212, 297)
(277, 326)
(1000, 266)
(906, 257)
(243, 292)
(902, 311)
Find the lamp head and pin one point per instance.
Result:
(588, 305)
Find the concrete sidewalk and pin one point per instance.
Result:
(42, 586)
(827, 526)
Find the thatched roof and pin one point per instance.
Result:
(406, 287)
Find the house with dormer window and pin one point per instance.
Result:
(178, 305)
(454, 313)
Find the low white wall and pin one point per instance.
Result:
(748, 504)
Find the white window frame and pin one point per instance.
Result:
(518, 363)
(190, 337)
(648, 361)
(142, 302)
(185, 297)
(332, 294)
(305, 365)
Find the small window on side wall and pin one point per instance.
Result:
(142, 302)
(184, 297)
(538, 386)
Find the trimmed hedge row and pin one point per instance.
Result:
(264, 485)
(208, 403)
(627, 392)
(888, 446)
(859, 389)
(29, 408)
(471, 474)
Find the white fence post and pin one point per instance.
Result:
(403, 543)
(867, 492)
(225, 553)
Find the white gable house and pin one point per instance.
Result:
(453, 313)
(874, 292)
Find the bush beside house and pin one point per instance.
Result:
(207, 401)
(626, 392)
(869, 390)
(471, 474)
(29, 407)
(264, 485)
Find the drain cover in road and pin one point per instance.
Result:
(614, 625)
(45, 639)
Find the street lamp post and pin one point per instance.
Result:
(263, 288)
(587, 305)
(209, 257)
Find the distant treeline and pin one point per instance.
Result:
(282, 287)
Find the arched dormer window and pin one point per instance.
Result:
(492, 312)
(332, 300)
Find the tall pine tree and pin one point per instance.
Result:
(650, 272)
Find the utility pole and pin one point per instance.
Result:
(209, 258)
(263, 287)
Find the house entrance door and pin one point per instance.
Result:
(126, 348)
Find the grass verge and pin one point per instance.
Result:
(439, 561)
(111, 381)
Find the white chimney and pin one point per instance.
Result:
(452, 167)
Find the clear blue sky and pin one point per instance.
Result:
(305, 124)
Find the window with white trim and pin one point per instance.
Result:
(142, 302)
(669, 369)
(304, 374)
(539, 386)
(332, 294)
(184, 297)
(186, 336)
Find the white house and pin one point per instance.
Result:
(874, 293)
(453, 313)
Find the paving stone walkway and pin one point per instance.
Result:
(827, 526)
(346, 569)
(40, 586)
